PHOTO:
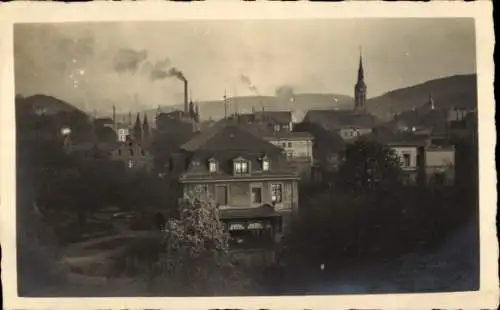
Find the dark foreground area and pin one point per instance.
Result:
(453, 267)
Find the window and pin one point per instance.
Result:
(119, 152)
(265, 164)
(276, 193)
(195, 163)
(143, 153)
(283, 144)
(202, 189)
(256, 194)
(131, 164)
(131, 151)
(241, 167)
(221, 195)
(212, 165)
(406, 160)
(289, 144)
(276, 128)
(289, 155)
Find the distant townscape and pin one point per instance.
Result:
(251, 195)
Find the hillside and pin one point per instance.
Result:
(50, 105)
(458, 91)
(298, 103)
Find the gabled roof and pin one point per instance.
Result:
(280, 117)
(228, 137)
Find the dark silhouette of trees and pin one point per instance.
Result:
(369, 167)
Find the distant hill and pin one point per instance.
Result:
(50, 105)
(459, 91)
(298, 103)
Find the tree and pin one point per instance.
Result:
(196, 257)
(369, 167)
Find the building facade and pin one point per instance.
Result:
(440, 165)
(133, 155)
(250, 180)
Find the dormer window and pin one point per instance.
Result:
(212, 165)
(241, 167)
(265, 164)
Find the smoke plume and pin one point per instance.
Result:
(248, 82)
(284, 91)
(129, 60)
(162, 70)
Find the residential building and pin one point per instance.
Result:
(133, 155)
(440, 165)
(276, 128)
(278, 121)
(298, 147)
(410, 155)
(249, 179)
(428, 161)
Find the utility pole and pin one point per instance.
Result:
(225, 105)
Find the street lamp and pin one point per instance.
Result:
(65, 131)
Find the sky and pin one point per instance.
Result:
(137, 65)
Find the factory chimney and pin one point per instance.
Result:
(186, 99)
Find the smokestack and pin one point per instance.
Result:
(114, 116)
(186, 99)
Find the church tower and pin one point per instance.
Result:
(360, 88)
(145, 128)
(137, 133)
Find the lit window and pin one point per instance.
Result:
(241, 167)
(131, 164)
(265, 164)
(276, 193)
(212, 166)
(276, 128)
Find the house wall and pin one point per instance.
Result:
(135, 153)
(440, 161)
(239, 193)
(412, 151)
(297, 148)
(122, 134)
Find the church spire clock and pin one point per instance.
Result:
(360, 87)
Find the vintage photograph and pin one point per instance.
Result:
(246, 157)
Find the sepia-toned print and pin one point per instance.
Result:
(247, 157)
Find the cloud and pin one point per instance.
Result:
(128, 60)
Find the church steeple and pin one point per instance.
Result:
(145, 128)
(361, 71)
(137, 133)
(360, 87)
